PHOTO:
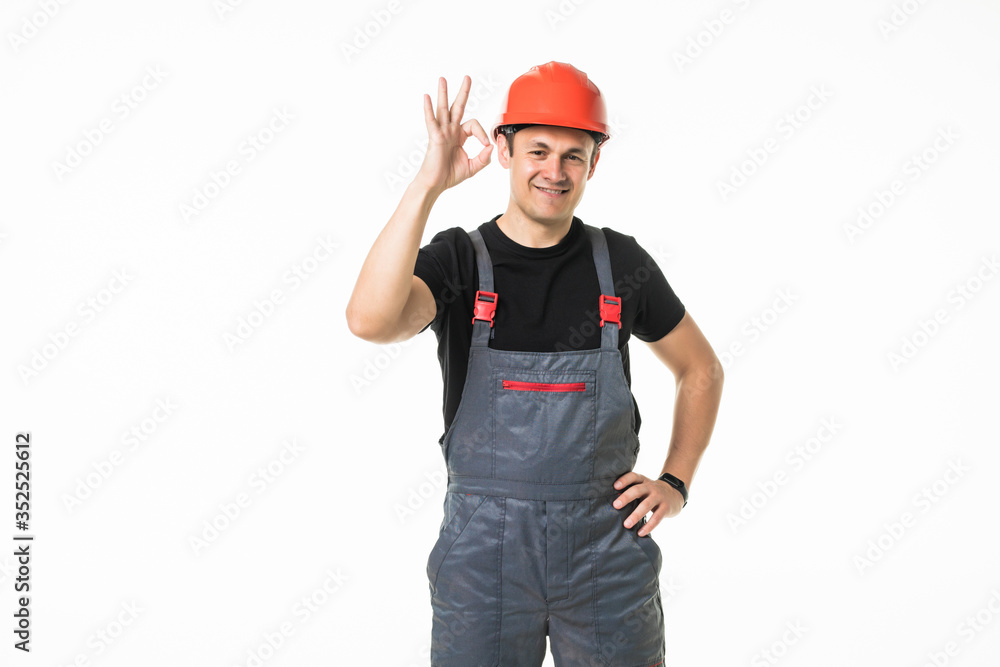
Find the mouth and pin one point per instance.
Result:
(552, 192)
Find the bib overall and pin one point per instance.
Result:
(530, 544)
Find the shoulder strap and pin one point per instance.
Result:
(609, 305)
(482, 330)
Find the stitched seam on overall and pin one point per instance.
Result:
(593, 588)
(493, 419)
(598, 389)
(631, 398)
(570, 508)
(521, 481)
(462, 403)
(634, 539)
(646, 664)
(499, 623)
(458, 509)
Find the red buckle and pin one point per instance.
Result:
(485, 307)
(611, 309)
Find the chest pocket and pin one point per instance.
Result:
(544, 424)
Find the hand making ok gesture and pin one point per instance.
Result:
(446, 163)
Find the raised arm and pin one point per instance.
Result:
(389, 303)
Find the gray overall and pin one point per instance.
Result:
(530, 544)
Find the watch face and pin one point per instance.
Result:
(676, 483)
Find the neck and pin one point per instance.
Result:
(533, 233)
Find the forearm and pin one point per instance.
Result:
(696, 406)
(383, 284)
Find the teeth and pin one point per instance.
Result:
(555, 192)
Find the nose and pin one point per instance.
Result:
(552, 169)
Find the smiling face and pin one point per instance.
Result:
(549, 169)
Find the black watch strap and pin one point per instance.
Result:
(677, 484)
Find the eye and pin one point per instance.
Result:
(536, 152)
(574, 157)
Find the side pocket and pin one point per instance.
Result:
(461, 508)
(649, 547)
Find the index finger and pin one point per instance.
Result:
(627, 479)
(429, 118)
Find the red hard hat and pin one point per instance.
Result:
(554, 94)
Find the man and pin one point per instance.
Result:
(545, 530)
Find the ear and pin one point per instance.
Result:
(597, 157)
(502, 150)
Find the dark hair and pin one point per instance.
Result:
(510, 130)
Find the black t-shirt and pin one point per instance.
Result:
(547, 298)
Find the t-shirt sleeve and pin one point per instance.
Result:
(659, 309)
(436, 265)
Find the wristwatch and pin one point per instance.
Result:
(677, 484)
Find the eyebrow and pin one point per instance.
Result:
(541, 144)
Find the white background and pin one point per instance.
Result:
(365, 418)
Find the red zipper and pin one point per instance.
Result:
(545, 386)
